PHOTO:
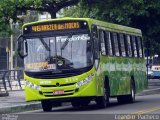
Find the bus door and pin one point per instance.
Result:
(96, 41)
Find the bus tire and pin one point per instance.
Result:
(103, 101)
(128, 98)
(75, 103)
(46, 105)
(85, 103)
(131, 97)
(56, 104)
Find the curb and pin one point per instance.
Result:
(20, 108)
(149, 92)
(25, 107)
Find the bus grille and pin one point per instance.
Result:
(61, 85)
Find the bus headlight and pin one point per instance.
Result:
(33, 86)
(85, 81)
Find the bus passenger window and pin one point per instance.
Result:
(102, 39)
(134, 49)
(96, 41)
(119, 44)
(116, 46)
(141, 42)
(112, 43)
(122, 46)
(108, 43)
(94, 31)
(139, 47)
(129, 46)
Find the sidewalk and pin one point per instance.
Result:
(15, 102)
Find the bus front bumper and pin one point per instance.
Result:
(69, 92)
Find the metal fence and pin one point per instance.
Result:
(11, 80)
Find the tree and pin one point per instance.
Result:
(50, 6)
(10, 9)
(141, 14)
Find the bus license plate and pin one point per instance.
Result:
(58, 92)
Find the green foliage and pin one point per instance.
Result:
(9, 9)
(142, 14)
(6, 10)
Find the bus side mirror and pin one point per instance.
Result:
(22, 47)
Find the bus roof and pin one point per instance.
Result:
(101, 24)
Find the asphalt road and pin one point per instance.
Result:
(145, 107)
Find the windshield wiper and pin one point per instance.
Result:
(44, 44)
(66, 42)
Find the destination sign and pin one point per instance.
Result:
(55, 26)
(52, 27)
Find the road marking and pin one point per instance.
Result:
(147, 111)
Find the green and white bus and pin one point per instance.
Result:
(78, 60)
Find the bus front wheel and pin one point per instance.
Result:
(81, 102)
(75, 103)
(46, 105)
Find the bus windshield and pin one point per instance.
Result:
(72, 51)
